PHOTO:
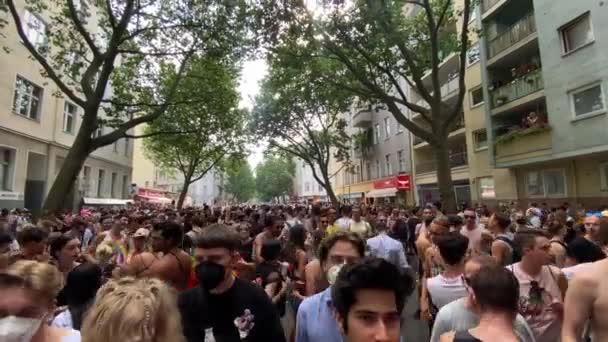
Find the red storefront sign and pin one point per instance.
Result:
(400, 182)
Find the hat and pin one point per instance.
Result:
(141, 232)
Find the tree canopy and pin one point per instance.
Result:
(383, 54)
(274, 177)
(113, 59)
(240, 181)
(194, 137)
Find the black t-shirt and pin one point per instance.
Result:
(200, 311)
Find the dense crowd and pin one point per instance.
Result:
(303, 273)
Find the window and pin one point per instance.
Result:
(547, 183)
(35, 30)
(125, 186)
(473, 55)
(27, 98)
(69, 117)
(357, 174)
(588, 100)
(387, 165)
(100, 179)
(401, 158)
(604, 175)
(577, 33)
(368, 170)
(7, 168)
(480, 138)
(114, 179)
(126, 146)
(378, 174)
(486, 187)
(387, 128)
(376, 133)
(86, 179)
(476, 97)
(307, 187)
(98, 132)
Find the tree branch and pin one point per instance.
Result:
(82, 30)
(48, 69)
(111, 16)
(464, 47)
(152, 134)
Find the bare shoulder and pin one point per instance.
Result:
(447, 337)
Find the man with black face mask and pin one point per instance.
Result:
(224, 308)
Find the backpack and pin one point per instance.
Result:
(516, 253)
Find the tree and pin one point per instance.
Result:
(112, 59)
(240, 181)
(378, 52)
(211, 129)
(302, 114)
(274, 177)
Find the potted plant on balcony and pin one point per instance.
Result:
(363, 141)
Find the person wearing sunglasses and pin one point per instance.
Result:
(542, 286)
(472, 231)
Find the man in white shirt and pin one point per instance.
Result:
(344, 221)
(360, 226)
(471, 230)
(387, 248)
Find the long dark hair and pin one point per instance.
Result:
(80, 289)
(297, 238)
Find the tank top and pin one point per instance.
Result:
(445, 290)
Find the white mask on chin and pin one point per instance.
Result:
(18, 329)
(332, 273)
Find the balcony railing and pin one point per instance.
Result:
(456, 159)
(450, 86)
(518, 88)
(512, 35)
(487, 4)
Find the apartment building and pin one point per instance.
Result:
(381, 160)
(306, 187)
(37, 128)
(546, 77)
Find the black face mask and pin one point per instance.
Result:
(209, 275)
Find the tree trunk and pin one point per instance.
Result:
(183, 193)
(330, 191)
(444, 178)
(63, 183)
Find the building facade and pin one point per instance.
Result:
(546, 75)
(209, 189)
(306, 187)
(37, 128)
(380, 151)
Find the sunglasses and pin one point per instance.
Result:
(469, 216)
(324, 222)
(596, 214)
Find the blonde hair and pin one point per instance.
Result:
(42, 278)
(133, 310)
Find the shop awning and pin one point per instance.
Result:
(352, 195)
(389, 192)
(105, 201)
(155, 199)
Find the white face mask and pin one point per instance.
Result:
(332, 273)
(18, 329)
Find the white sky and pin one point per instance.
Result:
(251, 75)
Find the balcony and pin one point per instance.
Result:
(456, 160)
(518, 88)
(451, 86)
(487, 4)
(516, 147)
(512, 35)
(362, 119)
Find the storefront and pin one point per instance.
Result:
(391, 190)
(429, 193)
(152, 196)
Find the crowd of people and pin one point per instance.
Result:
(303, 273)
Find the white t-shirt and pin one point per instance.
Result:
(445, 290)
(63, 320)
